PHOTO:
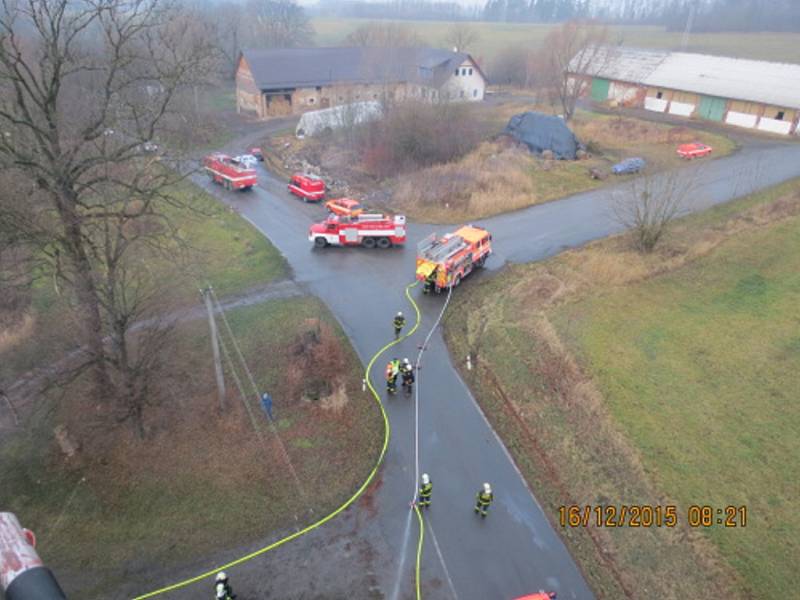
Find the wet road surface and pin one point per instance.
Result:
(515, 550)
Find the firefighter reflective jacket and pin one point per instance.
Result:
(485, 499)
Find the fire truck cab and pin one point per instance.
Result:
(229, 172)
(308, 187)
(368, 230)
(442, 262)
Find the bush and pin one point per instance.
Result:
(417, 134)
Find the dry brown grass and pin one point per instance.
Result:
(493, 177)
(12, 334)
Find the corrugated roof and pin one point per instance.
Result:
(734, 78)
(753, 80)
(302, 67)
(622, 64)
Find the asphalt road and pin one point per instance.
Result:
(515, 550)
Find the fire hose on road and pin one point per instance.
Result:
(387, 432)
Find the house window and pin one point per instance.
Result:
(464, 71)
(779, 116)
(660, 95)
(456, 72)
(474, 93)
(462, 93)
(470, 70)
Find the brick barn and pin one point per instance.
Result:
(288, 81)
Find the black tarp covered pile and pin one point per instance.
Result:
(540, 132)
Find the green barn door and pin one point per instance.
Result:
(712, 108)
(600, 89)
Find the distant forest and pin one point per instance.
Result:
(705, 15)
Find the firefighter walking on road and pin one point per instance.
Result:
(392, 369)
(484, 499)
(399, 323)
(425, 491)
(223, 588)
(407, 371)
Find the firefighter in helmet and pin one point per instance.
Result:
(407, 371)
(223, 588)
(425, 491)
(430, 283)
(392, 369)
(399, 323)
(484, 499)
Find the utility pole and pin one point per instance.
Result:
(688, 30)
(215, 348)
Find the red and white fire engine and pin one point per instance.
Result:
(368, 230)
(229, 172)
(308, 187)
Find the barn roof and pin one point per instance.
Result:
(735, 78)
(282, 68)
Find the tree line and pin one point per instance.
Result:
(705, 15)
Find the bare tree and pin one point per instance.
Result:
(649, 204)
(276, 24)
(462, 37)
(572, 53)
(383, 35)
(82, 86)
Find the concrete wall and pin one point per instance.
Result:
(655, 104)
(774, 125)
(682, 109)
(741, 119)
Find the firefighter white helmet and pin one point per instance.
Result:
(399, 313)
(425, 479)
(222, 577)
(406, 362)
(487, 488)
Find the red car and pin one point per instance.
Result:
(694, 150)
(539, 596)
(345, 207)
(308, 187)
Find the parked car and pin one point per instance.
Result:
(344, 207)
(629, 165)
(247, 160)
(308, 187)
(693, 150)
(257, 153)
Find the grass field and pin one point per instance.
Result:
(494, 37)
(664, 379)
(213, 236)
(124, 510)
(208, 481)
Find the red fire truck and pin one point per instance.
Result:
(368, 230)
(233, 175)
(308, 187)
(444, 261)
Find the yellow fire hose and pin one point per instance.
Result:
(348, 502)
